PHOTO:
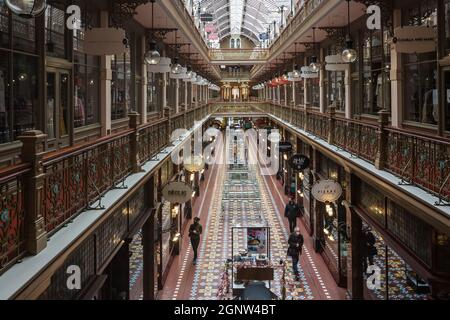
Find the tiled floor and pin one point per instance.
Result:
(201, 282)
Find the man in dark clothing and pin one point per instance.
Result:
(292, 212)
(195, 230)
(295, 250)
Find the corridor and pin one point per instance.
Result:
(218, 215)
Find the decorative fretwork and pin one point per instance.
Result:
(123, 11)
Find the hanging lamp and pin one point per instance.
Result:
(349, 54)
(152, 56)
(26, 8)
(315, 65)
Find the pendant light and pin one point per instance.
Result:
(26, 8)
(296, 71)
(176, 67)
(314, 66)
(349, 54)
(152, 56)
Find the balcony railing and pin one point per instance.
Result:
(238, 54)
(12, 215)
(70, 181)
(307, 10)
(417, 159)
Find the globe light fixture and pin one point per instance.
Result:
(26, 8)
(296, 72)
(152, 56)
(314, 66)
(349, 54)
(176, 67)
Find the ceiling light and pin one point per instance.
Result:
(152, 56)
(176, 67)
(349, 54)
(26, 8)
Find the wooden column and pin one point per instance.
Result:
(32, 153)
(355, 279)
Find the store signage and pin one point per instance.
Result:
(299, 162)
(335, 63)
(194, 163)
(326, 190)
(105, 41)
(285, 146)
(177, 192)
(162, 67)
(307, 73)
(414, 39)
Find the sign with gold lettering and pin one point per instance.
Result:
(177, 192)
(326, 190)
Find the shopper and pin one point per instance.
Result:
(295, 243)
(195, 230)
(292, 212)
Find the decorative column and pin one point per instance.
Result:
(285, 95)
(382, 140)
(134, 142)
(355, 279)
(322, 103)
(143, 108)
(396, 78)
(33, 143)
(331, 123)
(177, 98)
(348, 93)
(105, 84)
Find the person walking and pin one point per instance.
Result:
(295, 243)
(292, 212)
(195, 230)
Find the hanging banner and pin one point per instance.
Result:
(257, 240)
(307, 73)
(326, 190)
(335, 63)
(162, 67)
(177, 192)
(105, 41)
(414, 39)
(299, 162)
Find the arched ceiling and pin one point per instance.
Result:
(249, 18)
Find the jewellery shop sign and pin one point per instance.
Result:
(414, 39)
(177, 192)
(326, 191)
(299, 162)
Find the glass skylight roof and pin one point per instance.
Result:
(244, 17)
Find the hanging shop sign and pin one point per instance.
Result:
(177, 192)
(326, 190)
(335, 63)
(414, 39)
(285, 146)
(162, 67)
(294, 77)
(105, 41)
(307, 73)
(299, 162)
(193, 163)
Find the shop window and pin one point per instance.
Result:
(420, 70)
(410, 230)
(154, 82)
(299, 93)
(18, 76)
(313, 92)
(376, 87)
(86, 79)
(55, 26)
(387, 275)
(373, 202)
(120, 86)
(447, 26)
(442, 242)
(335, 84)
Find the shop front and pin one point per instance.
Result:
(403, 257)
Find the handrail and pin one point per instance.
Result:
(14, 171)
(59, 155)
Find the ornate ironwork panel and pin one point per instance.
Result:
(12, 221)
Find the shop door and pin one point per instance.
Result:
(57, 109)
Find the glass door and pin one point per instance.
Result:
(57, 109)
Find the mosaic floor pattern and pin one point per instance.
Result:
(215, 248)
